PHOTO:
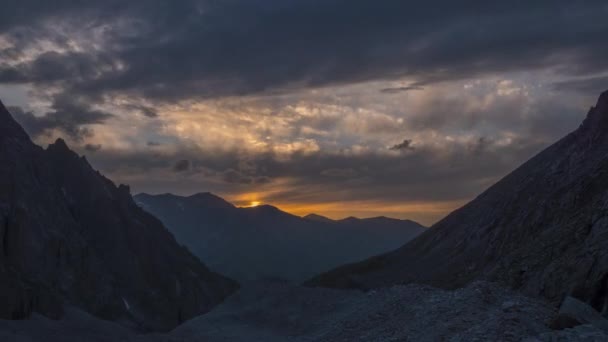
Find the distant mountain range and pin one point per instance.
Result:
(543, 229)
(69, 236)
(264, 242)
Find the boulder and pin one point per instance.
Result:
(574, 312)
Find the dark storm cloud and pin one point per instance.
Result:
(184, 49)
(27, 12)
(67, 114)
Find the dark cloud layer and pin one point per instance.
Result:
(181, 49)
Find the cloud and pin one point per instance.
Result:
(403, 146)
(92, 148)
(68, 115)
(396, 90)
(340, 173)
(589, 86)
(181, 166)
(153, 49)
(52, 66)
(232, 176)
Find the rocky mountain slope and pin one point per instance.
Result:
(542, 229)
(68, 235)
(265, 242)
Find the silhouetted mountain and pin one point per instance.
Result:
(318, 218)
(265, 242)
(542, 229)
(68, 235)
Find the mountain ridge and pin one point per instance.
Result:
(274, 243)
(312, 216)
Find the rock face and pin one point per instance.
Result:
(542, 229)
(267, 243)
(69, 235)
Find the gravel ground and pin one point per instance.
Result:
(280, 312)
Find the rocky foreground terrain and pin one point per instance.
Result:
(282, 312)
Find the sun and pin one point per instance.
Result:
(254, 204)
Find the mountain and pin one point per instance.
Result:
(264, 242)
(318, 218)
(542, 229)
(69, 236)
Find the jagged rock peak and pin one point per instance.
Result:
(60, 144)
(124, 188)
(3, 110)
(8, 126)
(603, 101)
(60, 148)
(597, 118)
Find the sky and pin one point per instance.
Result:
(406, 109)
